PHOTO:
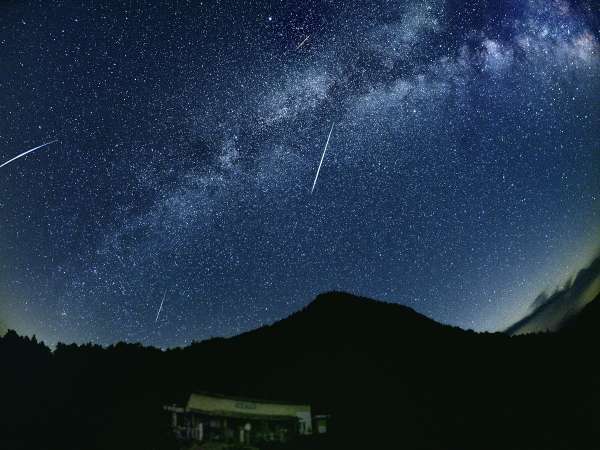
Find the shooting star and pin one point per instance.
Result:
(302, 43)
(28, 151)
(322, 158)
(160, 308)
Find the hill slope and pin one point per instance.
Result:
(390, 378)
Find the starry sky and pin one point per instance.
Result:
(462, 175)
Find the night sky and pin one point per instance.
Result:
(462, 175)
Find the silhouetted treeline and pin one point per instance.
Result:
(389, 377)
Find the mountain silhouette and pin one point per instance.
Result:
(340, 317)
(388, 376)
(586, 322)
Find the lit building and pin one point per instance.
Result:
(210, 417)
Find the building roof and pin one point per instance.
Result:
(219, 405)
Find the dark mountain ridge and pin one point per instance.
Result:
(334, 312)
(388, 376)
(586, 322)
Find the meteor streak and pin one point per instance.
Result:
(302, 43)
(322, 157)
(160, 308)
(24, 153)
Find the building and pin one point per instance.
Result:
(210, 417)
(320, 423)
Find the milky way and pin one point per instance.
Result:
(462, 178)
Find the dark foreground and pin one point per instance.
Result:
(400, 381)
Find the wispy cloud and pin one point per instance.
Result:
(550, 311)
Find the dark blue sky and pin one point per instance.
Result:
(462, 176)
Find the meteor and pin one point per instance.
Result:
(160, 308)
(302, 43)
(322, 157)
(28, 151)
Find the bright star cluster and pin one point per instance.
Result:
(461, 178)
